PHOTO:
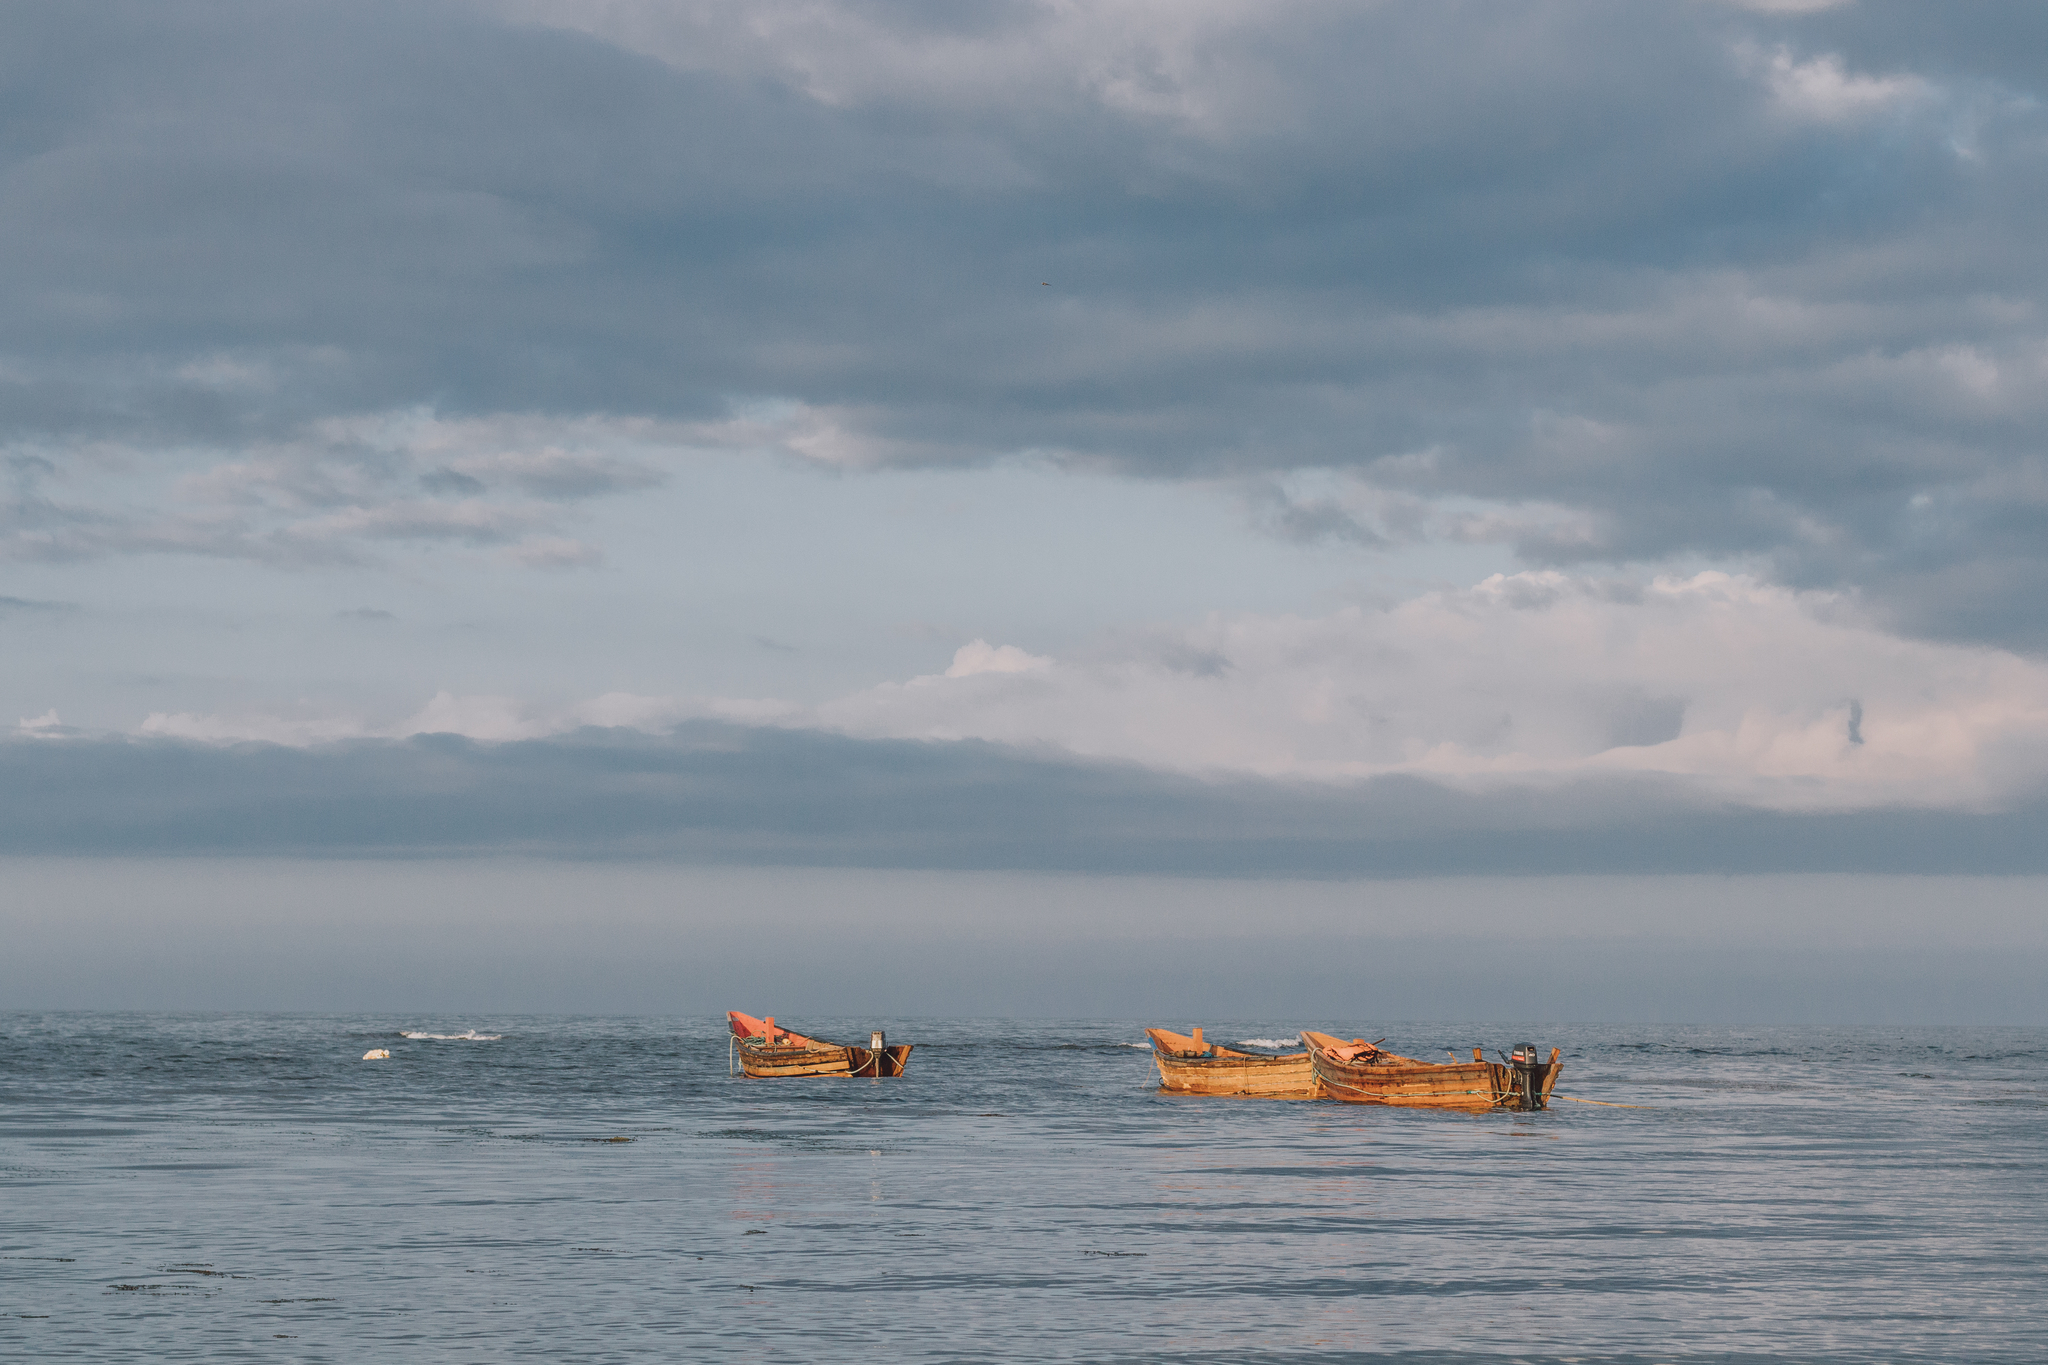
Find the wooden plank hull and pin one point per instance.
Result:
(1403, 1082)
(1188, 1066)
(1291, 1077)
(761, 1060)
(1421, 1085)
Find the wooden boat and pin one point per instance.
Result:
(1190, 1066)
(768, 1050)
(1357, 1072)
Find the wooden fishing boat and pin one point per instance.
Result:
(1357, 1072)
(765, 1049)
(1190, 1066)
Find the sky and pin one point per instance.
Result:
(1241, 444)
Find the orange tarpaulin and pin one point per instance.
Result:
(747, 1026)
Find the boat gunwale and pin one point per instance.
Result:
(1211, 1053)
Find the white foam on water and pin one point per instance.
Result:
(1268, 1042)
(1146, 1045)
(468, 1036)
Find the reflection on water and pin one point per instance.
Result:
(178, 1188)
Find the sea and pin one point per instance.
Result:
(248, 1187)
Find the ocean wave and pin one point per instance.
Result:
(1269, 1042)
(468, 1036)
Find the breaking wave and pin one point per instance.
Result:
(468, 1036)
(1269, 1042)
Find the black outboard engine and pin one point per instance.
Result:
(1528, 1068)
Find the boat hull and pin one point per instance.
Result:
(1405, 1083)
(761, 1060)
(1187, 1066)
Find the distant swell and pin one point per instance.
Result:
(470, 1036)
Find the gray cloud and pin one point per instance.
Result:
(450, 481)
(1719, 282)
(1308, 519)
(10, 606)
(718, 793)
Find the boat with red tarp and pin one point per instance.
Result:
(767, 1049)
(1358, 1072)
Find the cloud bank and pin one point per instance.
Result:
(1734, 690)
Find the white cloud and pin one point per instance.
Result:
(554, 552)
(978, 656)
(505, 718)
(624, 710)
(1824, 90)
(267, 729)
(476, 716)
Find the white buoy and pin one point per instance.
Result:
(377, 1054)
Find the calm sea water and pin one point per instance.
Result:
(246, 1188)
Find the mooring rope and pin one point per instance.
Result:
(1609, 1103)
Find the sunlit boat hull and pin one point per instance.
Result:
(1190, 1066)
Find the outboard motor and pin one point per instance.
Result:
(1528, 1068)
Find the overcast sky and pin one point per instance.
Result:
(1178, 436)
